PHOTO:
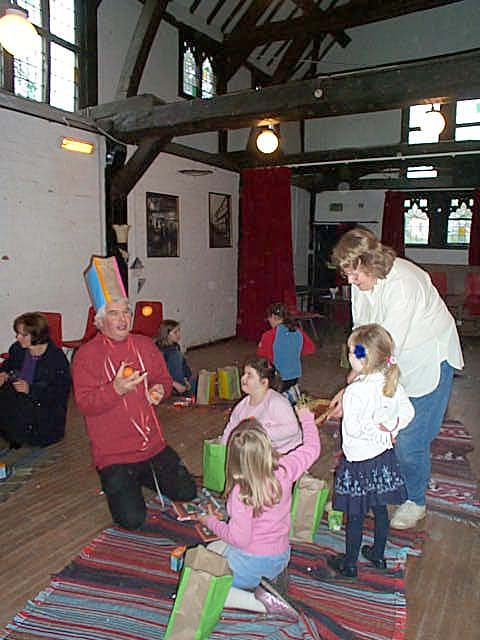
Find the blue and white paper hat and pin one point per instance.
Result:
(104, 281)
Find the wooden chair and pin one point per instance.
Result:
(147, 317)
(89, 332)
(305, 319)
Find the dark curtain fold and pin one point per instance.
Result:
(265, 269)
(474, 248)
(393, 222)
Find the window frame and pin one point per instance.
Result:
(438, 227)
(84, 49)
(200, 54)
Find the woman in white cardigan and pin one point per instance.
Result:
(400, 296)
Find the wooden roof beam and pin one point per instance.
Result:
(440, 79)
(139, 48)
(336, 19)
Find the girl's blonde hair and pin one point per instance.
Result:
(165, 327)
(378, 348)
(360, 247)
(251, 463)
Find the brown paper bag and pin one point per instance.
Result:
(203, 588)
(308, 503)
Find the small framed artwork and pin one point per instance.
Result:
(162, 225)
(220, 220)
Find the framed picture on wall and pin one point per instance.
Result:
(220, 220)
(162, 225)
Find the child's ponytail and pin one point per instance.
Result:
(392, 376)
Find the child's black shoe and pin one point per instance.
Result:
(367, 553)
(344, 571)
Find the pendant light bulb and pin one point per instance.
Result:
(433, 122)
(17, 33)
(267, 140)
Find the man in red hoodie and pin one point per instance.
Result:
(118, 379)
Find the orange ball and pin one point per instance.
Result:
(127, 372)
(147, 310)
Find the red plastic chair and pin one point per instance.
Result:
(88, 334)
(439, 280)
(54, 320)
(147, 317)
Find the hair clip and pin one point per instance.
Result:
(391, 360)
(359, 351)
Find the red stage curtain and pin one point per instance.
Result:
(393, 222)
(265, 270)
(474, 249)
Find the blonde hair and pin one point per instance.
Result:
(251, 463)
(379, 348)
(359, 247)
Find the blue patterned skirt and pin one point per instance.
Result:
(368, 483)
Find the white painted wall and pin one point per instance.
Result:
(199, 288)
(51, 217)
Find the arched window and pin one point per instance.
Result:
(196, 75)
(190, 79)
(417, 222)
(459, 221)
(208, 79)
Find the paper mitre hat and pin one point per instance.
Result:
(104, 281)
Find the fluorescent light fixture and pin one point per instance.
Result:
(17, 33)
(80, 146)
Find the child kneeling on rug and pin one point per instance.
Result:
(255, 540)
(375, 408)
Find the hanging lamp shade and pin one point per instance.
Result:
(17, 33)
(267, 140)
(433, 122)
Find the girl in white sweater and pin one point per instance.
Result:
(375, 408)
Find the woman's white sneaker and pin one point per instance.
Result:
(407, 515)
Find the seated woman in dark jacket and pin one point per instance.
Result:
(34, 386)
(167, 341)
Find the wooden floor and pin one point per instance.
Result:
(57, 511)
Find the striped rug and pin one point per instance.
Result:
(453, 490)
(120, 587)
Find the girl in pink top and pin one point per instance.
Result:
(259, 488)
(272, 410)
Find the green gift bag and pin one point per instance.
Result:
(214, 457)
(308, 504)
(202, 590)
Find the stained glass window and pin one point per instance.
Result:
(190, 79)
(459, 221)
(197, 78)
(417, 222)
(208, 79)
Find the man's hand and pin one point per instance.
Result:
(3, 378)
(335, 406)
(156, 393)
(21, 386)
(123, 385)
